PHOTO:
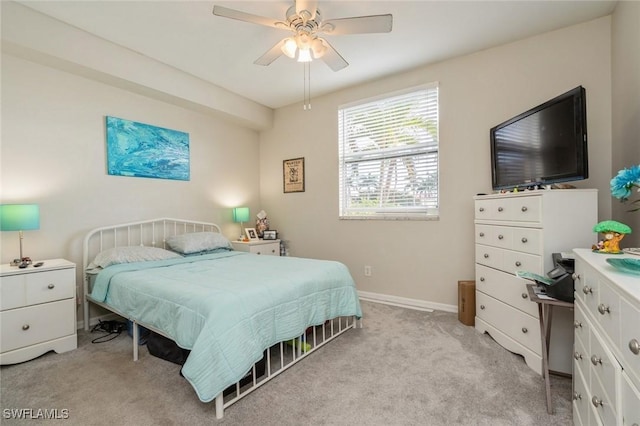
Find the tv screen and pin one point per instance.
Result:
(542, 146)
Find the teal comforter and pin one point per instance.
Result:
(227, 308)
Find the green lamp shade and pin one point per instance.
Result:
(241, 214)
(19, 217)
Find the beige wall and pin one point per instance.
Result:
(423, 260)
(53, 154)
(626, 105)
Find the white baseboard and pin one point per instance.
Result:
(404, 302)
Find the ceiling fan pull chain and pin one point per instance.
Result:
(307, 86)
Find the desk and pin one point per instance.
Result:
(545, 311)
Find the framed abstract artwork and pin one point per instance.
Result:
(142, 150)
(293, 175)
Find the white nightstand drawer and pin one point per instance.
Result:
(36, 287)
(265, 248)
(34, 324)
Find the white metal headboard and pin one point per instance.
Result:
(153, 233)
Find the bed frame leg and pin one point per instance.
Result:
(136, 336)
(220, 406)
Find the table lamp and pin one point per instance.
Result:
(241, 215)
(19, 217)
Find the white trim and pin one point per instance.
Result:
(403, 302)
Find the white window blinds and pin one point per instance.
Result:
(388, 153)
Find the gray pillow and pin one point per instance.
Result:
(197, 242)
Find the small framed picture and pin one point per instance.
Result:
(270, 235)
(251, 233)
(293, 175)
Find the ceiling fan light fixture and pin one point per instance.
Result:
(289, 48)
(304, 55)
(318, 48)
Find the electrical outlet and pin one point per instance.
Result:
(367, 271)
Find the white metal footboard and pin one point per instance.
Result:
(282, 356)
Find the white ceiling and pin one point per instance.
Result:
(186, 35)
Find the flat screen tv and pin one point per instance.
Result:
(542, 146)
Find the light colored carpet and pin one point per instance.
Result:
(405, 367)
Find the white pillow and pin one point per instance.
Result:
(130, 254)
(197, 242)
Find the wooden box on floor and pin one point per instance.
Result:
(467, 302)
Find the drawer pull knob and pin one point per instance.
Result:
(596, 402)
(482, 279)
(481, 209)
(524, 295)
(587, 290)
(486, 255)
(26, 327)
(518, 263)
(576, 396)
(500, 209)
(577, 356)
(51, 286)
(634, 346)
(524, 240)
(524, 208)
(575, 276)
(501, 237)
(482, 307)
(482, 234)
(603, 309)
(595, 360)
(577, 324)
(525, 330)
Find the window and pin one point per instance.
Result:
(388, 152)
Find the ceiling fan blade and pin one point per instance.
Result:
(358, 25)
(309, 5)
(271, 55)
(248, 17)
(332, 58)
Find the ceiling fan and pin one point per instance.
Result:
(305, 21)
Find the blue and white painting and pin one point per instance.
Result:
(142, 150)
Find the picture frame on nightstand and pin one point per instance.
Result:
(251, 234)
(270, 235)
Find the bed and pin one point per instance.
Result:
(245, 318)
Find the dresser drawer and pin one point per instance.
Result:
(36, 287)
(581, 401)
(506, 288)
(581, 357)
(521, 327)
(630, 402)
(581, 325)
(630, 340)
(526, 240)
(34, 324)
(603, 406)
(516, 209)
(604, 366)
(607, 312)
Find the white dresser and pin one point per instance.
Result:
(520, 231)
(264, 247)
(606, 379)
(38, 310)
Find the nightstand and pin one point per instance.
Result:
(264, 247)
(37, 310)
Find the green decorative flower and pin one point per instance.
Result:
(624, 182)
